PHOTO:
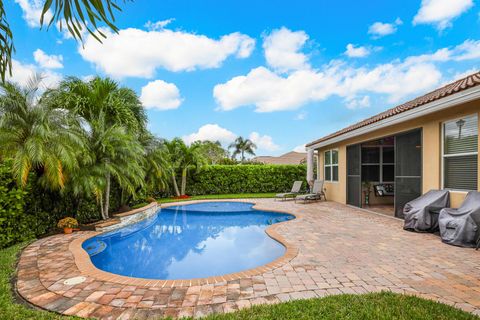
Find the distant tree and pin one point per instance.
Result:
(212, 151)
(241, 147)
(73, 15)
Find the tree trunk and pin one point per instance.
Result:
(175, 186)
(107, 197)
(101, 207)
(243, 157)
(184, 180)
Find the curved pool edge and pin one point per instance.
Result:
(86, 267)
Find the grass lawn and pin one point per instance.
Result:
(221, 196)
(369, 306)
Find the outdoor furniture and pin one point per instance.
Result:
(422, 213)
(316, 193)
(461, 227)
(297, 185)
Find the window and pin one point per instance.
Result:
(460, 153)
(378, 163)
(331, 165)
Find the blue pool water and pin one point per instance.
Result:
(190, 241)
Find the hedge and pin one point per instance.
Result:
(15, 225)
(222, 179)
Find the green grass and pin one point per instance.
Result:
(221, 196)
(384, 305)
(8, 308)
(369, 306)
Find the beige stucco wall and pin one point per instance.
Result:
(431, 127)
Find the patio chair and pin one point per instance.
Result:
(297, 185)
(421, 214)
(461, 227)
(315, 195)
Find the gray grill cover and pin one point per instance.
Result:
(421, 214)
(461, 226)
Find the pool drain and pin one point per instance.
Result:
(74, 281)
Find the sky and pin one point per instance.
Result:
(280, 73)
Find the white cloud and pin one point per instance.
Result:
(468, 50)
(32, 11)
(160, 95)
(358, 103)
(282, 48)
(301, 148)
(211, 132)
(48, 61)
(356, 52)
(264, 142)
(381, 29)
(441, 12)
(269, 91)
(138, 53)
(154, 26)
(22, 73)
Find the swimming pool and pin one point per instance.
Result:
(190, 241)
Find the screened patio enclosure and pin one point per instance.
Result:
(384, 174)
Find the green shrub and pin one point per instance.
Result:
(15, 225)
(221, 179)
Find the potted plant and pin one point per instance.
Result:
(67, 224)
(367, 190)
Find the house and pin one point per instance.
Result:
(430, 142)
(287, 158)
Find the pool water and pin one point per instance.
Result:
(190, 241)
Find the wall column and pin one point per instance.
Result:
(310, 164)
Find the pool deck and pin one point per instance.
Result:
(337, 249)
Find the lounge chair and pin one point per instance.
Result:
(421, 214)
(461, 227)
(297, 185)
(316, 193)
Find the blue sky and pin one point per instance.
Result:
(281, 73)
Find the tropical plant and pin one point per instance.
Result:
(38, 138)
(212, 151)
(113, 120)
(87, 99)
(74, 15)
(183, 158)
(116, 154)
(172, 160)
(241, 147)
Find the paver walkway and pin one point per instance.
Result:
(341, 250)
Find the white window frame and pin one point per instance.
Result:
(331, 165)
(443, 155)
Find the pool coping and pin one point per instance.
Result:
(85, 265)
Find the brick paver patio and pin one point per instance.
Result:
(340, 250)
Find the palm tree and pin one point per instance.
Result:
(87, 99)
(38, 138)
(113, 121)
(190, 159)
(183, 158)
(73, 15)
(172, 157)
(242, 146)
